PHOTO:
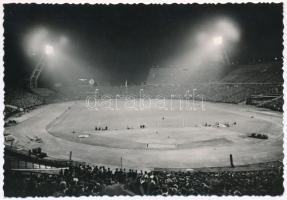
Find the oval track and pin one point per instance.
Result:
(174, 143)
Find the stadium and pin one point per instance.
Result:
(207, 126)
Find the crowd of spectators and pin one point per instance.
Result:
(86, 180)
(214, 92)
(235, 86)
(22, 98)
(237, 93)
(274, 104)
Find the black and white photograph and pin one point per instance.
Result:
(143, 99)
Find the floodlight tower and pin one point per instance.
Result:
(47, 51)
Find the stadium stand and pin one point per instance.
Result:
(84, 180)
(236, 86)
(17, 100)
(22, 98)
(49, 96)
(274, 104)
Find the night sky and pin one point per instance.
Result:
(127, 40)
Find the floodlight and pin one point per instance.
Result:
(49, 50)
(217, 40)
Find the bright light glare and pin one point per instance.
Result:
(217, 40)
(49, 50)
(63, 40)
(229, 29)
(210, 43)
(34, 41)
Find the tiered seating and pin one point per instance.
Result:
(274, 104)
(48, 95)
(22, 98)
(87, 180)
(44, 92)
(235, 87)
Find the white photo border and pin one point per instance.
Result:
(284, 196)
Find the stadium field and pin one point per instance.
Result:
(174, 137)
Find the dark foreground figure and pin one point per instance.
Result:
(86, 180)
